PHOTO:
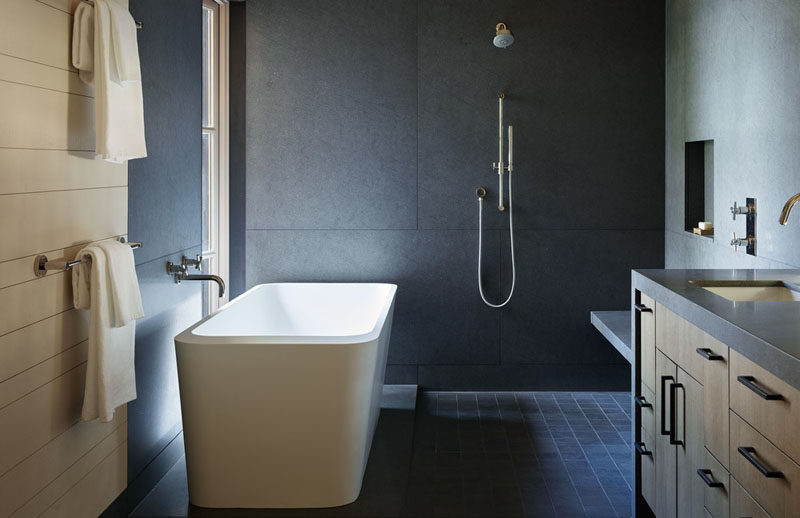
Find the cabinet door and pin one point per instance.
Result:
(647, 333)
(666, 454)
(715, 393)
(679, 340)
(688, 406)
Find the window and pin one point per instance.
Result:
(215, 149)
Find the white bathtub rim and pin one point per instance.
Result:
(189, 337)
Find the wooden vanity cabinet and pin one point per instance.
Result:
(688, 421)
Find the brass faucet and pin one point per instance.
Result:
(790, 203)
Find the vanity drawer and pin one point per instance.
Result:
(646, 404)
(647, 332)
(743, 505)
(679, 340)
(648, 463)
(715, 496)
(764, 471)
(752, 392)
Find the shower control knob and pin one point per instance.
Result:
(480, 192)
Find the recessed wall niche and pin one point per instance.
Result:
(698, 183)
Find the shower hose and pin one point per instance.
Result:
(480, 246)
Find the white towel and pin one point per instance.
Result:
(126, 301)
(83, 42)
(110, 374)
(125, 58)
(119, 110)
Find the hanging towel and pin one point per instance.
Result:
(119, 110)
(83, 42)
(110, 375)
(125, 57)
(126, 301)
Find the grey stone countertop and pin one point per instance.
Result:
(767, 333)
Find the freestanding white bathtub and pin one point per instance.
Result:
(280, 392)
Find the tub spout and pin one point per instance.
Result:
(207, 277)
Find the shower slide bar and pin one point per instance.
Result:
(41, 265)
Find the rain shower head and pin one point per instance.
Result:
(504, 38)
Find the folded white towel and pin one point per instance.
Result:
(124, 285)
(119, 110)
(110, 374)
(83, 42)
(125, 58)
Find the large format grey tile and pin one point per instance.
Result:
(331, 122)
(582, 84)
(561, 276)
(439, 317)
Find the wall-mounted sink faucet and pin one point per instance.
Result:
(180, 273)
(787, 209)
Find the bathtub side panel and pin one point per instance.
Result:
(279, 425)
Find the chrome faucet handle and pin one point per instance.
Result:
(737, 242)
(736, 209)
(197, 262)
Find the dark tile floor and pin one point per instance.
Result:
(461, 454)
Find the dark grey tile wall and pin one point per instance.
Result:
(732, 75)
(369, 125)
(164, 213)
(238, 152)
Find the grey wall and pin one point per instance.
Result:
(164, 213)
(370, 124)
(733, 70)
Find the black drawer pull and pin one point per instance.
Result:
(641, 449)
(642, 308)
(748, 453)
(750, 382)
(664, 430)
(708, 354)
(705, 474)
(641, 402)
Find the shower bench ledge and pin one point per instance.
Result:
(615, 326)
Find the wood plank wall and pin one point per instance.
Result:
(54, 197)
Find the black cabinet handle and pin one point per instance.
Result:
(708, 354)
(673, 413)
(640, 447)
(705, 474)
(748, 453)
(664, 430)
(642, 308)
(641, 402)
(750, 382)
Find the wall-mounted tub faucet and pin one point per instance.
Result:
(787, 209)
(180, 273)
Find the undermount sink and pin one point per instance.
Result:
(752, 291)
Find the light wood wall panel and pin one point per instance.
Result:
(28, 170)
(54, 199)
(27, 479)
(82, 490)
(16, 70)
(28, 346)
(37, 118)
(37, 32)
(48, 220)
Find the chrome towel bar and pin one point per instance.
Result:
(91, 2)
(41, 265)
